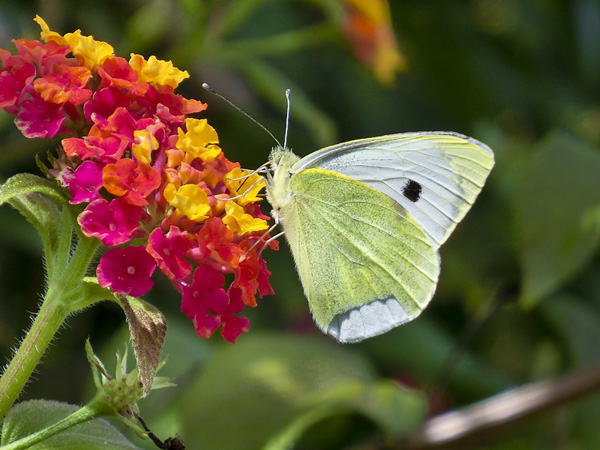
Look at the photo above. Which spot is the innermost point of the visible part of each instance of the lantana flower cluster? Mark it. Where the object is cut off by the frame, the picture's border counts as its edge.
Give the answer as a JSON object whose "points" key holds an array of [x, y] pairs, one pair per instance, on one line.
{"points": [[154, 185]]}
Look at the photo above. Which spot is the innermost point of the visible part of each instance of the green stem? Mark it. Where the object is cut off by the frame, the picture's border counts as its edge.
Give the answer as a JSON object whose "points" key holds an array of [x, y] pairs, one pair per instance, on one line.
{"points": [[87, 412], [80, 262], [63, 297], [46, 324]]}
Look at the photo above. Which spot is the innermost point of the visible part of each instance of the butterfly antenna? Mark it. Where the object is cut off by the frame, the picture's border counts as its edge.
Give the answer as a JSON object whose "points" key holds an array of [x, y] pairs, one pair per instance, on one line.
{"points": [[287, 118], [211, 90]]}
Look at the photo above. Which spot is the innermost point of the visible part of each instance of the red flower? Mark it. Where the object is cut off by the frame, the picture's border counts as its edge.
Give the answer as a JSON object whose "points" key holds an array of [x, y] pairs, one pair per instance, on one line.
{"points": [[126, 271], [113, 223], [169, 251]]}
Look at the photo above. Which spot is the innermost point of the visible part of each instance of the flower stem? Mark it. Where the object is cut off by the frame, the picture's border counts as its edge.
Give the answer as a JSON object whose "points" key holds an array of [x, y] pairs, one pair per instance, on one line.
{"points": [[49, 319], [63, 297]]}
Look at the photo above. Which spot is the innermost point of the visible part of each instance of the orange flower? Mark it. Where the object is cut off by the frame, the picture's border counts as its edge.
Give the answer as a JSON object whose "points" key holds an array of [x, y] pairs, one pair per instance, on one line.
{"points": [[369, 28]]}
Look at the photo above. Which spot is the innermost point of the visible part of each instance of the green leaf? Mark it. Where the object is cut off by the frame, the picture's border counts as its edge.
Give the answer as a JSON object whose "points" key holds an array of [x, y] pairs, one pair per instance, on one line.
{"points": [[557, 212], [271, 389], [396, 411], [148, 328], [89, 292], [576, 322], [41, 202], [31, 416]]}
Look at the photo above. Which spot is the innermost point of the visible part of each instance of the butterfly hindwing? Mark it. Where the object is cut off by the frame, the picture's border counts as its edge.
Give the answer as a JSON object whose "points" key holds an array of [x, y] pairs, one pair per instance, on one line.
{"points": [[365, 264]]}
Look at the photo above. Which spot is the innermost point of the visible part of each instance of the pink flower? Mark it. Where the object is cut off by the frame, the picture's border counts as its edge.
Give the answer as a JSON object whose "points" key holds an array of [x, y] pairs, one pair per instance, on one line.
{"points": [[204, 300], [84, 185], [104, 103], [13, 79], [38, 118], [126, 271], [117, 72], [169, 251], [113, 223], [233, 326]]}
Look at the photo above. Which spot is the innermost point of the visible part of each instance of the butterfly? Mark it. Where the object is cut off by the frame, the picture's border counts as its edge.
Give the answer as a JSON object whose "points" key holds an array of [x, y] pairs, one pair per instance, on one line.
{"points": [[365, 220]]}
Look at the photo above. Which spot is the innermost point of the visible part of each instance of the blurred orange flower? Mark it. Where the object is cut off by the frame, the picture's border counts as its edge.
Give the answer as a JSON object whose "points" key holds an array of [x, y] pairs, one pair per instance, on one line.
{"points": [[368, 26]]}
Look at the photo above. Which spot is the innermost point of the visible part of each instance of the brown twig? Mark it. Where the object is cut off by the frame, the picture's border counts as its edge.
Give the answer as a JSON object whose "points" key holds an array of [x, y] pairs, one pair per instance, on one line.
{"points": [[477, 423], [169, 444]]}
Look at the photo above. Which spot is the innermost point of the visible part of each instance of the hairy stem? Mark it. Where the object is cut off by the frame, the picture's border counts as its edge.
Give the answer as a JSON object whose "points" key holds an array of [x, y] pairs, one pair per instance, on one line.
{"points": [[64, 296], [49, 319]]}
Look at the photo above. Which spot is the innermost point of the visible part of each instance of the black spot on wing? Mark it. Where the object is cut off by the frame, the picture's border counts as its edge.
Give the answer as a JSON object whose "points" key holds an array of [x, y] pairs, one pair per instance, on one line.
{"points": [[412, 190]]}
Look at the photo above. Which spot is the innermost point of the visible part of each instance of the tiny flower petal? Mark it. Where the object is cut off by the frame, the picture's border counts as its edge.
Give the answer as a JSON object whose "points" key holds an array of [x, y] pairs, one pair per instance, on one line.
{"points": [[84, 185], [17, 74], [38, 118], [157, 72], [47, 35], [113, 223], [245, 185], [204, 300], [199, 141], [241, 223], [126, 271], [130, 180], [169, 251], [233, 327], [89, 52], [117, 72], [145, 143], [68, 84], [190, 200]]}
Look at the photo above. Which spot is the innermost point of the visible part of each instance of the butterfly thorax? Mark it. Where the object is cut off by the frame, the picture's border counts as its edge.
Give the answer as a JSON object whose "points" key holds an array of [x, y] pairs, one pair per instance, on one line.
{"points": [[278, 180]]}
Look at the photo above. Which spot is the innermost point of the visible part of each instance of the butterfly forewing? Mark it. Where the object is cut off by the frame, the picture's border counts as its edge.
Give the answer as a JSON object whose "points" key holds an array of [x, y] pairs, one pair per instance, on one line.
{"points": [[434, 176], [365, 264]]}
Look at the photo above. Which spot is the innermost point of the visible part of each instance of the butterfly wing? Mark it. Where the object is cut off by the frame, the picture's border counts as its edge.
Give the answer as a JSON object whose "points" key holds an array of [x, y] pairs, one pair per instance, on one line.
{"points": [[434, 176], [366, 266]]}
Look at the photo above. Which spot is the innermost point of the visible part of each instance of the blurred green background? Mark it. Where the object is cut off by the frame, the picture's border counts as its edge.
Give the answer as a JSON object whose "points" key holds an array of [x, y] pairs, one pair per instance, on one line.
{"points": [[522, 270]]}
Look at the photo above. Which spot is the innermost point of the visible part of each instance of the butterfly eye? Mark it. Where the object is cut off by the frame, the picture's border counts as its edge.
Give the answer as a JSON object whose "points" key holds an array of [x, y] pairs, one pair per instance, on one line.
{"points": [[412, 191]]}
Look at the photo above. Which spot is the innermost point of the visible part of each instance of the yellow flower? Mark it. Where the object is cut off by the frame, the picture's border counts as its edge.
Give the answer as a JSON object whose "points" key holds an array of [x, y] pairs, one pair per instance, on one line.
{"points": [[157, 72], [143, 146], [47, 35], [89, 52], [240, 182], [239, 222], [200, 141], [189, 200], [369, 28]]}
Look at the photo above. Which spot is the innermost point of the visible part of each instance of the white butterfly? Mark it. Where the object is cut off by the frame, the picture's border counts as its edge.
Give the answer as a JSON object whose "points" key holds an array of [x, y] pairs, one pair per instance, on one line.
{"points": [[365, 219]]}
